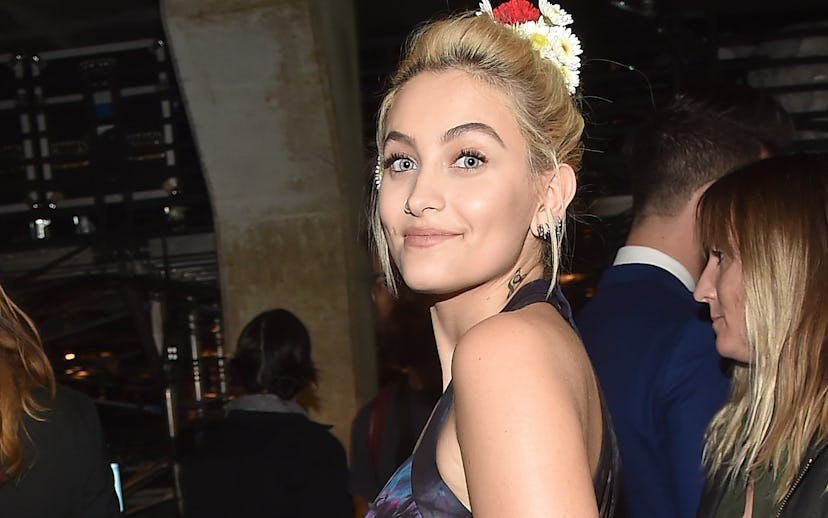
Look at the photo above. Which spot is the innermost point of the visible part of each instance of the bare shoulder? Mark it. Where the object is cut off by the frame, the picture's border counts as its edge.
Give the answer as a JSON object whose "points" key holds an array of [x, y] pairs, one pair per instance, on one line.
{"points": [[525, 403], [531, 340]]}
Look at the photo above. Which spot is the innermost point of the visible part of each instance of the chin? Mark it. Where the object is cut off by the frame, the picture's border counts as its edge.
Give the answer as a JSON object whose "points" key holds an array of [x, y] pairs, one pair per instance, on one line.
{"points": [[734, 351], [428, 283], [426, 288]]}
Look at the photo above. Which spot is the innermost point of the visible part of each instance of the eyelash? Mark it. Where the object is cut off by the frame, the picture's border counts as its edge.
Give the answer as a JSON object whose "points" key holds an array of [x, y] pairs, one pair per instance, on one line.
{"points": [[718, 254], [471, 153], [389, 160]]}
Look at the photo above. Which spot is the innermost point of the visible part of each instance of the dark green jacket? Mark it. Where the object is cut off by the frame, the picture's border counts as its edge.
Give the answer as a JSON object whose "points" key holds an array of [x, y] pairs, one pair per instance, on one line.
{"points": [[805, 498]]}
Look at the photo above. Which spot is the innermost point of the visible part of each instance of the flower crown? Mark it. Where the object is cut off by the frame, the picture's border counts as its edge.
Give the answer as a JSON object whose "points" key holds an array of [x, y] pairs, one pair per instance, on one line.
{"points": [[545, 27]]}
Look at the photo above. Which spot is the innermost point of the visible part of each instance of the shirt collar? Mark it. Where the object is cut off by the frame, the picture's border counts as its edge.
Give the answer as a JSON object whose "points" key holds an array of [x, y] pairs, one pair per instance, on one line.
{"points": [[657, 258], [265, 403]]}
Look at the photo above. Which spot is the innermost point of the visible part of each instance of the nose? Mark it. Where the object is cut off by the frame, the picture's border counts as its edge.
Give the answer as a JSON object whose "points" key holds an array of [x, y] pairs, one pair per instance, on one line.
{"points": [[706, 287], [426, 192]]}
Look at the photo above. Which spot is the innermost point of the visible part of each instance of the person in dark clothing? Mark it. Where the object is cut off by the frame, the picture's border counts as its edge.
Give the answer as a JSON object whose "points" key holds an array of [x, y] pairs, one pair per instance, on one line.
{"points": [[385, 430], [765, 230], [651, 344], [53, 461], [266, 457]]}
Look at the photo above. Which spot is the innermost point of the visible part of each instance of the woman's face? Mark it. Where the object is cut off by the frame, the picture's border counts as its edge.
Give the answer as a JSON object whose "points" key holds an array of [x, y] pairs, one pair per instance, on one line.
{"points": [[722, 286], [457, 199]]}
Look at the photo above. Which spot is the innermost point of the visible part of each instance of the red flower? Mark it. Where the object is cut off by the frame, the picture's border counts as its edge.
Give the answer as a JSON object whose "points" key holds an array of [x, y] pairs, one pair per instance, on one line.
{"points": [[515, 11]]}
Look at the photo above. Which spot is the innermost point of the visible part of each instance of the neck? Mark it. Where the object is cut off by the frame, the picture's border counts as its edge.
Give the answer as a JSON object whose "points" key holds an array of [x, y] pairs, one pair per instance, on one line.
{"points": [[674, 235], [453, 315]]}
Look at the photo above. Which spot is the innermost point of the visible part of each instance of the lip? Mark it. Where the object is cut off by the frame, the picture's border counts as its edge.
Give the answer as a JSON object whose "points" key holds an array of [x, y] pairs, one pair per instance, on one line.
{"points": [[426, 237]]}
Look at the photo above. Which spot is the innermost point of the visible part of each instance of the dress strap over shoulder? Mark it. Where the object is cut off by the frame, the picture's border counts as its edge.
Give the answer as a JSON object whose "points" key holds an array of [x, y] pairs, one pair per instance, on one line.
{"points": [[418, 491], [605, 479], [538, 291]]}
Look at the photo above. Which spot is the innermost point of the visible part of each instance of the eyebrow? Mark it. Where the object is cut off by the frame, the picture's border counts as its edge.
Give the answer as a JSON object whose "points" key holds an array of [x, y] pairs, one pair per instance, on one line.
{"points": [[457, 131], [450, 134], [399, 137]]}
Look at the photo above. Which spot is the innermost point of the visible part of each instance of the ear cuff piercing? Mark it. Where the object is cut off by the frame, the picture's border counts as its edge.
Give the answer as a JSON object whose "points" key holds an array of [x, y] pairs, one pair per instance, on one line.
{"points": [[545, 233]]}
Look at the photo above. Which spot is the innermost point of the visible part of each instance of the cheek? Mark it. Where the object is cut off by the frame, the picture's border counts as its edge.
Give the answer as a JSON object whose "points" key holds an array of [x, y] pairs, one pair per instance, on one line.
{"points": [[493, 227], [735, 290], [738, 327], [386, 204], [742, 323], [480, 211], [497, 207]]}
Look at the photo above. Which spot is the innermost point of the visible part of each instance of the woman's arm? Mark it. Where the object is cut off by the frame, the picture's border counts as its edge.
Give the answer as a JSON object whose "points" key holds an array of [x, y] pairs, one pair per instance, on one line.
{"points": [[523, 387]]}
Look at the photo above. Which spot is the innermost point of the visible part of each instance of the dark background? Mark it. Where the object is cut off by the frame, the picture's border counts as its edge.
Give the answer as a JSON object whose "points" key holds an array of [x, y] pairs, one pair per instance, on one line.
{"points": [[88, 287]]}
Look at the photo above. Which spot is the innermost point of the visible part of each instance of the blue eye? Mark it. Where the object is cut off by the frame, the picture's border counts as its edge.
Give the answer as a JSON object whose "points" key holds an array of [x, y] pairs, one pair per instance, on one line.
{"points": [[401, 163], [470, 160]]}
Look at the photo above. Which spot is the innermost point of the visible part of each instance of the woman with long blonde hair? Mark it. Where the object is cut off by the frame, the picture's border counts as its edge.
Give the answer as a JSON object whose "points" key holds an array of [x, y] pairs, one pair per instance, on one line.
{"points": [[52, 457], [479, 138], [765, 229]]}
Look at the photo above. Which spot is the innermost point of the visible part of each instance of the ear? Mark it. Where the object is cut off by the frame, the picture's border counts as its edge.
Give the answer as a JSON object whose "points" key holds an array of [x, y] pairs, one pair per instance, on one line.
{"points": [[555, 197]]}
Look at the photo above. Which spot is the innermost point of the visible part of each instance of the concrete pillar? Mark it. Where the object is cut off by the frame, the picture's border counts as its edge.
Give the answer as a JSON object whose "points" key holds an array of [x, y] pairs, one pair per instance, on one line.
{"points": [[271, 91]]}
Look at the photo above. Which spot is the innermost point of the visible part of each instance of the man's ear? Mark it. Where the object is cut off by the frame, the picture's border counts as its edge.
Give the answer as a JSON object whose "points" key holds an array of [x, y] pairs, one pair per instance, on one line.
{"points": [[556, 196]]}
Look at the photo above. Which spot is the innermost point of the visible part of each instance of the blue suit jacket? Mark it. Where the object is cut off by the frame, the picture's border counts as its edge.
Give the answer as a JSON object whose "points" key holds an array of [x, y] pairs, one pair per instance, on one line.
{"points": [[653, 349]]}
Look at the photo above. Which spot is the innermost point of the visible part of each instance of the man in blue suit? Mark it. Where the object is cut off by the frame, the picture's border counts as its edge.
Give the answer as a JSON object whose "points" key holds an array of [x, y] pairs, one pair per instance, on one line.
{"points": [[652, 345]]}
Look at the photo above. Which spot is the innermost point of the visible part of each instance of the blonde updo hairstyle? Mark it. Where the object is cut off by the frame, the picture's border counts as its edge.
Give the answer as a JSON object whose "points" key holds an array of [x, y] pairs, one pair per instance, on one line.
{"points": [[548, 116]]}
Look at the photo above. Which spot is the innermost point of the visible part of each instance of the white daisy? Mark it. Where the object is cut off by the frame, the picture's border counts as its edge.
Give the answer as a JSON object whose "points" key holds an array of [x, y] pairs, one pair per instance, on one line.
{"points": [[485, 6], [571, 78], [539, 34], [554, 13], [566, 46]]}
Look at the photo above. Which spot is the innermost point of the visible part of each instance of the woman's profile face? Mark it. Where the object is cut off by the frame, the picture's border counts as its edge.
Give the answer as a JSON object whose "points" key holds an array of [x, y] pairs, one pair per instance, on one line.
{"points": [[722, 286], [457, 199]]}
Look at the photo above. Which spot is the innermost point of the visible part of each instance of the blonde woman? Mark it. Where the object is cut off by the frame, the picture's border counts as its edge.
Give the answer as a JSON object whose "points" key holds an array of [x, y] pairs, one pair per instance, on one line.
{"points": [[478, 141], [52, 457], [765, 228]]}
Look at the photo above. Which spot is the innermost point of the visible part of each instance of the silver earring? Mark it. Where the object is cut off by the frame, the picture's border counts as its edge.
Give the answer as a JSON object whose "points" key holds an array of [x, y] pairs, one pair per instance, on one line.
{"points": [[559, 230], [543, 231]]}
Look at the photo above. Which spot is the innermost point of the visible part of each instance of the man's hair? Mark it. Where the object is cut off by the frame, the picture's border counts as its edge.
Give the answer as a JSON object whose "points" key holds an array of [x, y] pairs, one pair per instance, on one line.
{"points": [[701, 135]]}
